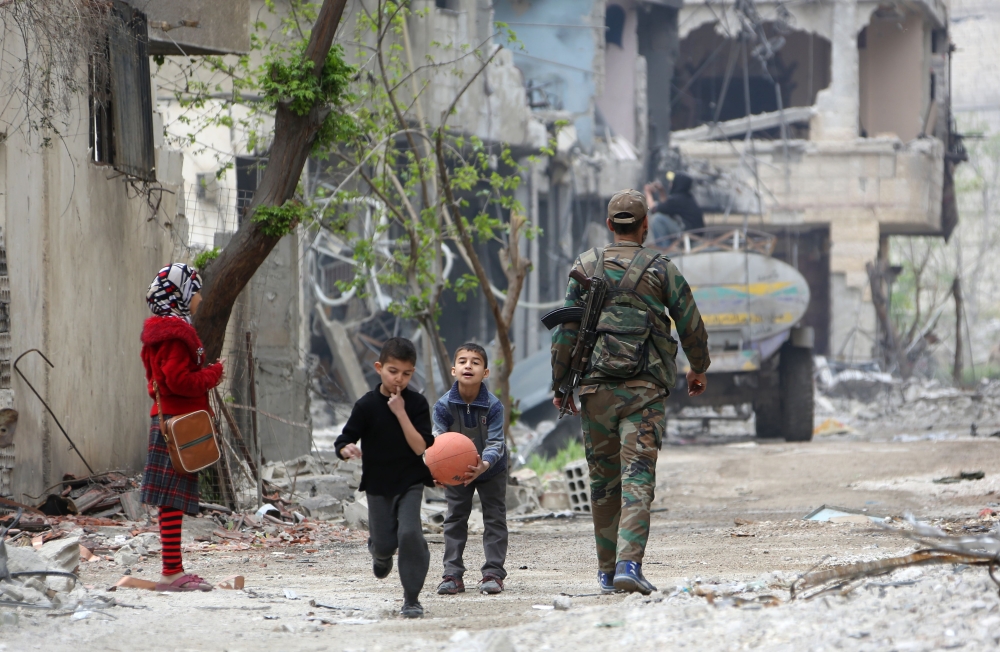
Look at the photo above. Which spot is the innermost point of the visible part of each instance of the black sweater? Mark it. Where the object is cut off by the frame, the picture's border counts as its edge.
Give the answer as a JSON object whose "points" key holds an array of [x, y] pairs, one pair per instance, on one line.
{"points": [[388, 464]]}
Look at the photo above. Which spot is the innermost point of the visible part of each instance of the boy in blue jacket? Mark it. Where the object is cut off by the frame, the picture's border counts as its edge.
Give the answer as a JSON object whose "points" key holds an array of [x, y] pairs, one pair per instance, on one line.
{"points": [[469, 408]]}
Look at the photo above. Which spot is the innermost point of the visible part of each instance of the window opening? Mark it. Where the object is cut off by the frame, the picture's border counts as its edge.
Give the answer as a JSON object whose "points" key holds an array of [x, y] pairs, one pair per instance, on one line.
{"points": [[614, 24]]}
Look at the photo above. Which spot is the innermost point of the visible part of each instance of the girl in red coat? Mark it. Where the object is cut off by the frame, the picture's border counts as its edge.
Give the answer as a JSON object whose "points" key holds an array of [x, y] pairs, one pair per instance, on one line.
{"points": [[172, 355]]}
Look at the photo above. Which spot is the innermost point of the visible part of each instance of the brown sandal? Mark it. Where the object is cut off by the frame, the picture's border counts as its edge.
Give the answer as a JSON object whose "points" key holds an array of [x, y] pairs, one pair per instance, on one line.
{"points": [[186, 582]]}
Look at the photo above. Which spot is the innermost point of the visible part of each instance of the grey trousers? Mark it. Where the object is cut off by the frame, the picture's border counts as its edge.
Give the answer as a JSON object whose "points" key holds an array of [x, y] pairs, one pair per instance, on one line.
{"points": [[493, 496], [394, 524]]}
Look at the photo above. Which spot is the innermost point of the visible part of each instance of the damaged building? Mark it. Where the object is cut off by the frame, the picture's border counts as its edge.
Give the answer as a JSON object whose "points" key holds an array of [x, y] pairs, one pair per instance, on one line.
{"points": [[827, 124], [89, 211]]}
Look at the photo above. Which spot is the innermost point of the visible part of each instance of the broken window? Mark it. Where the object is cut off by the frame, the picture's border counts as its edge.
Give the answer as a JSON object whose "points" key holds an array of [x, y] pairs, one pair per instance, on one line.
{"points": [[614, 24], [249, 170], [711, 83], [896, 90], [121, 104]]}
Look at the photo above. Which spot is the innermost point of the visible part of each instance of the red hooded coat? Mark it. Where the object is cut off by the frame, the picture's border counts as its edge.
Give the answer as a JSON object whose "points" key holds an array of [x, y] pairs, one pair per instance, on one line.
{"points": [[171, 353]]}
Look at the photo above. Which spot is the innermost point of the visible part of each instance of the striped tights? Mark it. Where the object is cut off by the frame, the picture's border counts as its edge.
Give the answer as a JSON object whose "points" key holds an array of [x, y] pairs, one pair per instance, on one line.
{"points": [[170, 537]]}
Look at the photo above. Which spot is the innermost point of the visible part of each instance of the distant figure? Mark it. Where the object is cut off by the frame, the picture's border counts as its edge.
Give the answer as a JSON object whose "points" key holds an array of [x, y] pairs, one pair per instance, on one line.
{"points": [[678, 212]]}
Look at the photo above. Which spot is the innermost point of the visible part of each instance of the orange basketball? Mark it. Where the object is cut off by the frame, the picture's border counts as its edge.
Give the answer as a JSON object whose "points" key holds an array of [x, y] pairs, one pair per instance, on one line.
{"points": [[450, 457]]}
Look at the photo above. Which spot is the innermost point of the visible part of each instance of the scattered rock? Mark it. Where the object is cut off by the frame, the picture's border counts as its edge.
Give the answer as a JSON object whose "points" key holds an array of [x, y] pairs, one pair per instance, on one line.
{"points": [[562, 603]]}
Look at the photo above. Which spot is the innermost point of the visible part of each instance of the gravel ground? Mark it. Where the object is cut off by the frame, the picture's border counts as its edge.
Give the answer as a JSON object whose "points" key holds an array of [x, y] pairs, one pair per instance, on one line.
{"points": [[703, 492]]}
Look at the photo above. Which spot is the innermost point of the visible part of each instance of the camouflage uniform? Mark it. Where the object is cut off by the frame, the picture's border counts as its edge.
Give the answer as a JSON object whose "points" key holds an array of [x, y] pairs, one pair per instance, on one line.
{"points": [[623, 419]]}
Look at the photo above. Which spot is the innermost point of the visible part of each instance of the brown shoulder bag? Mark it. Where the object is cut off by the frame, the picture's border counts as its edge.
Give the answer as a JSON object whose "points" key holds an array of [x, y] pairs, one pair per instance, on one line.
{"points": [[190, 439]]}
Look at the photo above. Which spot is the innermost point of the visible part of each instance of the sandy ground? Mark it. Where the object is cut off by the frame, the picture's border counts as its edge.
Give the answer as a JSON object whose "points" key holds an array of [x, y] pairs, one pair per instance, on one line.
{"points": [[701, 490]]}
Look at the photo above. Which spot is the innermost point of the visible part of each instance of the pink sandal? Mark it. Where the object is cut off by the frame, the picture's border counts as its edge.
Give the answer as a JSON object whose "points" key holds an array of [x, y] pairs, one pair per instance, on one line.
{"points": [[186, 582]]}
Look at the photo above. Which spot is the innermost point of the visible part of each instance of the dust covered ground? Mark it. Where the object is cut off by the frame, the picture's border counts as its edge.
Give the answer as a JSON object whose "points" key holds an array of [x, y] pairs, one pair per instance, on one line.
{"points": [[703, 488]]}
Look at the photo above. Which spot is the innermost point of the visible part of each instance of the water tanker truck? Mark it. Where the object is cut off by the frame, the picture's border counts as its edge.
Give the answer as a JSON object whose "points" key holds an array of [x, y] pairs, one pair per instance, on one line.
{"points": [[753, 305]]}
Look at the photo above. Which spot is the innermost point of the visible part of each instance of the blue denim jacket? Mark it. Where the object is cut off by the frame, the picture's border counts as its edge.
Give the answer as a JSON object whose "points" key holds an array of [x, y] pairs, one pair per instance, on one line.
{"points": [[486, 406]]}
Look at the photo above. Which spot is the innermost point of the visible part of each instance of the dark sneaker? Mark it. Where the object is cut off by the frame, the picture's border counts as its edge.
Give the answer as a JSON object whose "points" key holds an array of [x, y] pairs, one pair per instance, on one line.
{"points": [[450, 585], [382, 567], [606, 581], [412, 610], [628, 578], [490, 584]]}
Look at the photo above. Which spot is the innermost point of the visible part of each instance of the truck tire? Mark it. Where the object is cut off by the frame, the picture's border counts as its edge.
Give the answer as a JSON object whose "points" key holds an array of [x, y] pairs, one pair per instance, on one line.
{"points": [[767, 420], [797, 393]]}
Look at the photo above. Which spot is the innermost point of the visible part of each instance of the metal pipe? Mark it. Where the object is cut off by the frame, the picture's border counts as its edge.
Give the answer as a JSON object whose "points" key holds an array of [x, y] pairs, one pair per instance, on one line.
{"points": [[54, 417]]}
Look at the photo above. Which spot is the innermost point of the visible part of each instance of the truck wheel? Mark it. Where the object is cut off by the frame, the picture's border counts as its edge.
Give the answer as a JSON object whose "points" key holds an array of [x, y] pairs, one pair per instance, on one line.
{"points": [[797, 393], [767, 418]]}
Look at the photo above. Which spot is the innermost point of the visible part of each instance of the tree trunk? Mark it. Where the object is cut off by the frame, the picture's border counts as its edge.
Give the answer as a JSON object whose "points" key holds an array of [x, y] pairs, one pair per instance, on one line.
{"points": [[246, 252], [881, 304]]}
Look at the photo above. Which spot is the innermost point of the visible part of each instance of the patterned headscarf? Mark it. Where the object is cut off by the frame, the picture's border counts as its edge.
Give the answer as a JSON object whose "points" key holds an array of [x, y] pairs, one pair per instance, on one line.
{"points": [[170, 293]]}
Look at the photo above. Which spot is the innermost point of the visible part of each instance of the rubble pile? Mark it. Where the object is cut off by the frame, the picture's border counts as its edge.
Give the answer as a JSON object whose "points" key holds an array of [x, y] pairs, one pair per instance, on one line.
{"points": [[913, 410], [41, 576], [320, 487]]}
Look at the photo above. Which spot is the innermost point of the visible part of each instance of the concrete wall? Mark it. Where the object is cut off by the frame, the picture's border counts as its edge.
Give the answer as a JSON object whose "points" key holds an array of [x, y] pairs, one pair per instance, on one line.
{"points": [[276, 320], [81, 249], [221, 26], [617, 101], [862, 189]]}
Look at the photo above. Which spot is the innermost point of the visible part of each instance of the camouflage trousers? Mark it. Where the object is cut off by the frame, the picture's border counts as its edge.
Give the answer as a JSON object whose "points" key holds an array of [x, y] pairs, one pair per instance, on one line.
{"points": [[622, 431]]}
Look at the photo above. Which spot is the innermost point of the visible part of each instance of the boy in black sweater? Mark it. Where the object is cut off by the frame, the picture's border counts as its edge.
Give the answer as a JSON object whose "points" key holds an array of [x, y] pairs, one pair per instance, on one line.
{"points": [[393, 425]]}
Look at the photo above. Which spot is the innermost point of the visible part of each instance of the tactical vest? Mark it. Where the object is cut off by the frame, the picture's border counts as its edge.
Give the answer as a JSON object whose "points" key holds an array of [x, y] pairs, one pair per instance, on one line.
{"points": [[633, 339]]}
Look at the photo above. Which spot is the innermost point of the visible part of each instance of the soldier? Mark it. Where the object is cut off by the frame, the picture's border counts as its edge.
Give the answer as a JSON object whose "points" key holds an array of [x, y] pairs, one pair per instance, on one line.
{"points": [[631, 371]]}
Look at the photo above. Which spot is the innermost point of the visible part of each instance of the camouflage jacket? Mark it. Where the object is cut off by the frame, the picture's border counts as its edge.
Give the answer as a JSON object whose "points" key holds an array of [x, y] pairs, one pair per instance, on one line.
{"points": [[662, 288]]}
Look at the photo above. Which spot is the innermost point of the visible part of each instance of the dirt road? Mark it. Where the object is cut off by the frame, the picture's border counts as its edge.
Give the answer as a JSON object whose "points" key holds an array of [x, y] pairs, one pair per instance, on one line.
{"points": [[701, 490]]}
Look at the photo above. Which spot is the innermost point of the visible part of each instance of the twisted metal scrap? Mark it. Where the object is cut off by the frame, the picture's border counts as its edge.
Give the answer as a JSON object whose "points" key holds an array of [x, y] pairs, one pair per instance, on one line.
{"points": [[939, 548]]}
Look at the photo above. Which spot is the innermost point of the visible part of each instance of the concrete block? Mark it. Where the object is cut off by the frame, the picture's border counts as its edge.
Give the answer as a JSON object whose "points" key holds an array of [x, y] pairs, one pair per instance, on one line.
{"points": [[578, 485], [521, 500], [197, 529], [555, 501], [887, 166], [356, 513], [323, 507], [62, 554], [335, 486]]}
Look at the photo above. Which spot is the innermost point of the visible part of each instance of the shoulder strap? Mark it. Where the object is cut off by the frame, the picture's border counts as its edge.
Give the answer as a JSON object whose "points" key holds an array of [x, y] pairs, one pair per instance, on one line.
{"points": [[589, 259], [159, 410], [640, 263]]}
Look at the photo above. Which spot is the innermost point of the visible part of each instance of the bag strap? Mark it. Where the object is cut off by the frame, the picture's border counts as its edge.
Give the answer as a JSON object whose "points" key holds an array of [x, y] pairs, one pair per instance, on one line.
{"points": [[159, 410]]}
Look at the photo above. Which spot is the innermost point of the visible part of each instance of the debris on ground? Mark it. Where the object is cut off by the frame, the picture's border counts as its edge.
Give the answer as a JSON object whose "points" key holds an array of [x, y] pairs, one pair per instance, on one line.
{"points": [[937, 547], [960, 477], [832, 514], [833, 427]]}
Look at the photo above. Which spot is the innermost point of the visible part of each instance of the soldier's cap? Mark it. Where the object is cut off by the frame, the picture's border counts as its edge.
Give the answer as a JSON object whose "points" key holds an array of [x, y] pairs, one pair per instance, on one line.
{"points": [[627, 206]]}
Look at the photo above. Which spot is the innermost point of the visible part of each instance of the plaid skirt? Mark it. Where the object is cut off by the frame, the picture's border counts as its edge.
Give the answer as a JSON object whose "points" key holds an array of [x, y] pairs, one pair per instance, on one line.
{"points": [[161, 484]]}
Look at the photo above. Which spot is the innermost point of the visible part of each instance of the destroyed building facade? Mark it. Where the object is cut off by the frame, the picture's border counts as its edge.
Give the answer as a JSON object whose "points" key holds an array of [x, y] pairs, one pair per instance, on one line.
{"points": [[89, 211], [848, 139]]}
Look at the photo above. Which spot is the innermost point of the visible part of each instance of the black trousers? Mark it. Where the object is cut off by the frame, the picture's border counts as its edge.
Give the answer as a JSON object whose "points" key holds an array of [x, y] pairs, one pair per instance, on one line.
{"points": [[493, 496], [394, 524]]}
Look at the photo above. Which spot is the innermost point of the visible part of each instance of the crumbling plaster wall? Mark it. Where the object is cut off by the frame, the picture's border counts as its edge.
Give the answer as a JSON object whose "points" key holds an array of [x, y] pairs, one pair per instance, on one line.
{"points": [[616, 102], [276, 320], [862, 189], [81, 249]]}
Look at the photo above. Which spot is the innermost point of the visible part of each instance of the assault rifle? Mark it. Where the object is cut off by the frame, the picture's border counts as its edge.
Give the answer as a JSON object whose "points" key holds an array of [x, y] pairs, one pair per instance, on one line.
{"points": [[596, 288]]}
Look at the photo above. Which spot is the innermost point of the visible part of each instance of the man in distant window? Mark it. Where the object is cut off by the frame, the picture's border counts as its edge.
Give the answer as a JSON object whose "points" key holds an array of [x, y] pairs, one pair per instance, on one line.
{"points": [[678, 211]]}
